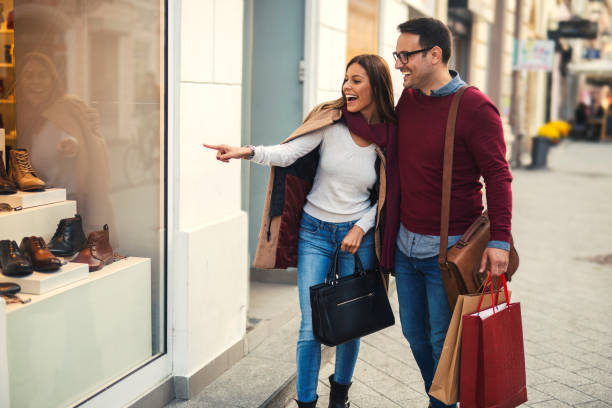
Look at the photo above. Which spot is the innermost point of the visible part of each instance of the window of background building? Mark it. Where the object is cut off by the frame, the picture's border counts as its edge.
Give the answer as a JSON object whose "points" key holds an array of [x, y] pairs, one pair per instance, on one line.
{"points": [[83, 94], [362, 31]]}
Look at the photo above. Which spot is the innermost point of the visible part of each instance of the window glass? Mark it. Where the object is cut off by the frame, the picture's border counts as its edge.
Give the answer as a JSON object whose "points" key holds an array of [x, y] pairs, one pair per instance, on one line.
{"points": [[81, 92]]}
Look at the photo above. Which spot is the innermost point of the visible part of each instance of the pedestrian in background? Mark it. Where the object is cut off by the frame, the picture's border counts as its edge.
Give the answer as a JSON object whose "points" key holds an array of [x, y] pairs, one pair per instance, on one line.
{"points": [[412, 247], [328, 175]]}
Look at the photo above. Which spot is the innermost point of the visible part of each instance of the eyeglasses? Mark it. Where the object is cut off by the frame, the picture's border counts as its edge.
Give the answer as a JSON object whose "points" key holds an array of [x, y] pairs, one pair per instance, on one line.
{"points": [[8, 207], [404, 56]]}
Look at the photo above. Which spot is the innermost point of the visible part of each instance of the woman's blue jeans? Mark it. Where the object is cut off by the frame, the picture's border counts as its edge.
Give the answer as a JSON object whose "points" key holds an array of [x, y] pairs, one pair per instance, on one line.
{"points": [[424, 312], [317, 243]]}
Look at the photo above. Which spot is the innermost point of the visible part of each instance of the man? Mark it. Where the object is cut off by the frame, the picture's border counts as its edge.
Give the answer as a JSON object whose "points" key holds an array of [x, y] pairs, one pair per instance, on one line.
{"points": [[422, 54]]}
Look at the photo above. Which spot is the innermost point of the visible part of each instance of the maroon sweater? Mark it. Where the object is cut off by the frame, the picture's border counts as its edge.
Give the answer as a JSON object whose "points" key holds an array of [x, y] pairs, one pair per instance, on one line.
{"points": [[479, 150]]}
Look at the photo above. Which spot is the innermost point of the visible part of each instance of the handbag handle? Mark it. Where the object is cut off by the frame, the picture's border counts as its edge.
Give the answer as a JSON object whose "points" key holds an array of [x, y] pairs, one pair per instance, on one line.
{"points": [[489, 283], [447, 173], [333, 275]]}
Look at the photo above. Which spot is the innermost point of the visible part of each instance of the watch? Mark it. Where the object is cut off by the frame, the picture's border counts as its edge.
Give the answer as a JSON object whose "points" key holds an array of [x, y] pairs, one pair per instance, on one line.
{"points": [[252, 154]]}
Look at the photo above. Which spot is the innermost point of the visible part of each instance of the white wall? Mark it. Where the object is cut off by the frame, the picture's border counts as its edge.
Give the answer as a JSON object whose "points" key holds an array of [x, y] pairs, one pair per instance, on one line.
{"points": [[211, 268], [330, 49], [394, 12]]}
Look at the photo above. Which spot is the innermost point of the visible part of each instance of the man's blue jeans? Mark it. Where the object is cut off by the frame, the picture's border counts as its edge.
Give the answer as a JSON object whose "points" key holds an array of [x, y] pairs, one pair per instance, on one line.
{"points": [[424, 312], [316, 246]]}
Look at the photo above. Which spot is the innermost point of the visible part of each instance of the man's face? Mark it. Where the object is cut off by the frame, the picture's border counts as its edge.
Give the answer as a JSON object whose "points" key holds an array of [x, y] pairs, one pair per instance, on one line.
{"points": [[418, 69]]}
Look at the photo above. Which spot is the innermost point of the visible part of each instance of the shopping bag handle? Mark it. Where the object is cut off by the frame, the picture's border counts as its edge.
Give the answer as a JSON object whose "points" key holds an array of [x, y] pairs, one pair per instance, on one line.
{"points": [[333, 273], [489, 283]]}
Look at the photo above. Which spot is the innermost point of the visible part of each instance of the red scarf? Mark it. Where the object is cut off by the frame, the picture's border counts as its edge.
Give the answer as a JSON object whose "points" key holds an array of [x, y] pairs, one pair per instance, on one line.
{"points": [[385, 136]]}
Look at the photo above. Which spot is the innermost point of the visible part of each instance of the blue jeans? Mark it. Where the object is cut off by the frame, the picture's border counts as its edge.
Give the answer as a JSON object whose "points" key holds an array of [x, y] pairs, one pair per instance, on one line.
{"points": [[317, 243], [424, 312]]}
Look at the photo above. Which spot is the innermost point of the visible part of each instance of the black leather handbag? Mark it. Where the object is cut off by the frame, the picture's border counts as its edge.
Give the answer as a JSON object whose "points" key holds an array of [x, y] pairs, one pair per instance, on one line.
{"points": [[350, 307]]}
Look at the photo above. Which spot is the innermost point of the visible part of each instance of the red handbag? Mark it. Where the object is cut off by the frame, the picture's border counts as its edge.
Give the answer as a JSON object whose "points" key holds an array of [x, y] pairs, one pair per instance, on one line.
{"points": [[493, 356]]}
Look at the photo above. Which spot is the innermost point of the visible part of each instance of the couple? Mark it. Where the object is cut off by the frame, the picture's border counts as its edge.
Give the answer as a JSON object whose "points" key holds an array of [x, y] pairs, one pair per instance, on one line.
{"points": [[376, 176]]}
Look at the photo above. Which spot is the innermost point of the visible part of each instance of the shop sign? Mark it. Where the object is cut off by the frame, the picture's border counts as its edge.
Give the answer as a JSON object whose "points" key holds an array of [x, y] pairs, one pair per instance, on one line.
{"points": [[579, 28], [532, 55], [427, 7]]}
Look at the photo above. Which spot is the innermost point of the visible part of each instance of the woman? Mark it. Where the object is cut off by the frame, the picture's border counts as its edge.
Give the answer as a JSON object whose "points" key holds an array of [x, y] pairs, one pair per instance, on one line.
{"points": [[62, 134], [323, 194]]}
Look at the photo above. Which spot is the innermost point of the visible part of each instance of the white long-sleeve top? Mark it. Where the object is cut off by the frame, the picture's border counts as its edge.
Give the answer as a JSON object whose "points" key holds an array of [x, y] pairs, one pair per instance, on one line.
{"points": [[345, 174]]}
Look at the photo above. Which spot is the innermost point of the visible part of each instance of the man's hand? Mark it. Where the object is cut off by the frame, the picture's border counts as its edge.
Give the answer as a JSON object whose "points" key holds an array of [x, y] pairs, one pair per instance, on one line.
{"points": [[494, 261], [352, 240]]}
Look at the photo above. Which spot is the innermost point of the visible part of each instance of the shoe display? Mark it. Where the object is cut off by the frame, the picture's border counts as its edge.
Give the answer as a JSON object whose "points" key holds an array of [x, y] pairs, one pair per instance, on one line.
{"points": [[41, 258], [22, 173], [12, 261], [69, 237], [6, 185], [98, 251]]}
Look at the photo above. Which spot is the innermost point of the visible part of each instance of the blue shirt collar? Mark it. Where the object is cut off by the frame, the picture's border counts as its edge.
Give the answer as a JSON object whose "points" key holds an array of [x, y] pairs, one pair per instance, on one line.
{"points": [[451, 87]]}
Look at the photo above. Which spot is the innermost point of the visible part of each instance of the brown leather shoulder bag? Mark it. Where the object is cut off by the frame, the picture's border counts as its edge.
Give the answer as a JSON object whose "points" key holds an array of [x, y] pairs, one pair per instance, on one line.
{"points": [[460, 264]]}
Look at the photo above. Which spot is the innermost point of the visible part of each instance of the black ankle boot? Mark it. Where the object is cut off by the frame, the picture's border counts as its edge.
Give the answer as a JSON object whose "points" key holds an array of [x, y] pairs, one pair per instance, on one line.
{"points": [[312, 404], [338, 396]]}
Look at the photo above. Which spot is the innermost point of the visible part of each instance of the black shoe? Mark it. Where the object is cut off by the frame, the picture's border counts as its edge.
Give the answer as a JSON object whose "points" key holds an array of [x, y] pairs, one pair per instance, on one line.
{"points": [[338, 396], [69, 237], [12, 261], [312, 404]]}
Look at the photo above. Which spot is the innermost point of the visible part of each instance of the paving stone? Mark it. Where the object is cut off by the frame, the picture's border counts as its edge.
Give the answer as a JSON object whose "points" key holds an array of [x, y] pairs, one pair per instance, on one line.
{"points": [[534, 396], [597, 391], [597, 375], [563, 393], [594, 404], [565, 376], [550, 404], [566, 357]]}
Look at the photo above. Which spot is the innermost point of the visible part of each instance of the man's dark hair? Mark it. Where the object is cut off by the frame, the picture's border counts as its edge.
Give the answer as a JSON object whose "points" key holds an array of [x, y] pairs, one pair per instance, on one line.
{"points": [[431, 33]]}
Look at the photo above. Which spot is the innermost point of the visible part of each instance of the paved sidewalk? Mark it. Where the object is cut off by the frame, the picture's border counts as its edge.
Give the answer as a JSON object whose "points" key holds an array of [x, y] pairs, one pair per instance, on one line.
{"points": [[563, 230]]}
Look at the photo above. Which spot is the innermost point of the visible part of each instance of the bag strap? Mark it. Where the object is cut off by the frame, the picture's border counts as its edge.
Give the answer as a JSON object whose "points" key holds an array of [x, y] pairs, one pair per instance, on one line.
{"points": [[447, 173]]}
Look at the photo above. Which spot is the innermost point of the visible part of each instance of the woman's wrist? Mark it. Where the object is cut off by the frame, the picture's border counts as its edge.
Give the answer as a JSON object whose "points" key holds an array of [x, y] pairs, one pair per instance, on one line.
{"points": [[249, 152]]}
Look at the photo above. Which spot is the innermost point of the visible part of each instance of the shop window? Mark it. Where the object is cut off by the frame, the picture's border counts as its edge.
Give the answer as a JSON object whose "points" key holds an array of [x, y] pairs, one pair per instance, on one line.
{"points": [[82, 109], [362, 32]]}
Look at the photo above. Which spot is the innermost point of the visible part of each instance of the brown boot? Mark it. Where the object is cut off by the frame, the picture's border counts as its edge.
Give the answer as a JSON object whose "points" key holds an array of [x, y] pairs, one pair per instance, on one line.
{"points": [[22, 173], [42, 259], [6, 185], [98, 251]]}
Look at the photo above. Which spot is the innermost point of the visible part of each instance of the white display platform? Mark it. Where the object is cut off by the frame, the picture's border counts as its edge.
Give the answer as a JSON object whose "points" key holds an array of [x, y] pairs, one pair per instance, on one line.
{"points": [[38, 221], [4, 379], [29, 199], [40, 283], [68, 343]]}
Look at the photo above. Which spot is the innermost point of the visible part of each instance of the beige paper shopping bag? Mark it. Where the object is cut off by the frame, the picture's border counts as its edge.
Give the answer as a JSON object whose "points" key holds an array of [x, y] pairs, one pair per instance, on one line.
{"points": [[445, 385]]}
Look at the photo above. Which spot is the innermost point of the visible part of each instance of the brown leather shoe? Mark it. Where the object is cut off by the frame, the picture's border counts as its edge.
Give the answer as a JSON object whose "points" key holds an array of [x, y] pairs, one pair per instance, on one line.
{"points": [[6, 185], [42, 259], [98, 251], [22, 173]]}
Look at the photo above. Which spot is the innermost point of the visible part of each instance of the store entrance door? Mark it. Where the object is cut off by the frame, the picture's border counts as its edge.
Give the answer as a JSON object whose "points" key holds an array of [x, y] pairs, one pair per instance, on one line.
{"points": [[277, 31]]}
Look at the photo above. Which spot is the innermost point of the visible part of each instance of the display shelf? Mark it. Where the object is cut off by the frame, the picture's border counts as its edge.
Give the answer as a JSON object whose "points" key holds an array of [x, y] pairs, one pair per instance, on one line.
{"points": [[6, 64], [28, 199], [40, 283], [7, 101], [38, 221], [80, 337]]}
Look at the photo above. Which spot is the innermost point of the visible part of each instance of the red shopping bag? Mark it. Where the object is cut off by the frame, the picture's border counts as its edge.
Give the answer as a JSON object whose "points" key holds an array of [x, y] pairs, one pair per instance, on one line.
{"points": [[493, 356]]}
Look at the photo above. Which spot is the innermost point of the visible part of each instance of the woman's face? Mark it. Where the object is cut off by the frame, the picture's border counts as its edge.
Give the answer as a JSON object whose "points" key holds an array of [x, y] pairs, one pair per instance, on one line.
{"points": [[357, 90], [37, 83]]}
